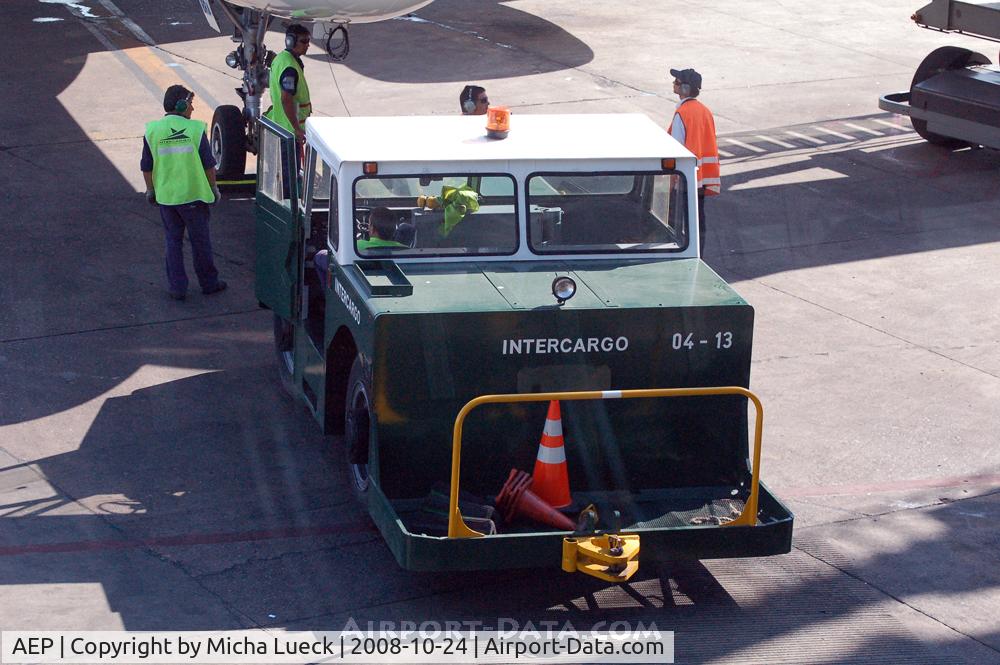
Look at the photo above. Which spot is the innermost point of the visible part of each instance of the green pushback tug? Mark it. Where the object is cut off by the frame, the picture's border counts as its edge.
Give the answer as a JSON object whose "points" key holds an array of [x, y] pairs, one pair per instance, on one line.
{"points": [[433, 289]]}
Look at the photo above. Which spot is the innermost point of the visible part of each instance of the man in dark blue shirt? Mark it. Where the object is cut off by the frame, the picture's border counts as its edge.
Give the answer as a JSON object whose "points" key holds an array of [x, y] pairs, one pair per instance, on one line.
{"points": [[185, 185]]}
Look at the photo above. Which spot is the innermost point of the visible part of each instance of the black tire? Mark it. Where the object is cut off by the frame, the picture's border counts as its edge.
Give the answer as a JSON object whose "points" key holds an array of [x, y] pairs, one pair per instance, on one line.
{"points": [[283, 333], [940, 60], [359, 427], [229, 142]]}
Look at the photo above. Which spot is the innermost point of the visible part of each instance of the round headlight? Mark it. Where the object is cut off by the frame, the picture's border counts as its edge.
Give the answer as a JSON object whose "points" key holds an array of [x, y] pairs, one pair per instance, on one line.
{"points": [[563, 288], [231, 60]]}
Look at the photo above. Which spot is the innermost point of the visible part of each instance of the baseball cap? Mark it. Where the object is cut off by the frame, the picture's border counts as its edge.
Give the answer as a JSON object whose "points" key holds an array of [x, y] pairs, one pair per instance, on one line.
{"points": [[689, 76]]}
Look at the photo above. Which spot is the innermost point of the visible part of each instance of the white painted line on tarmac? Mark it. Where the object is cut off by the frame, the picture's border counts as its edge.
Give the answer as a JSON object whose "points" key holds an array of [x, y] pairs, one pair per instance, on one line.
{"points": [[833, 132], [164, 57], [83, 11], [893, 125], [804, 137], [768, 139], [745, 146], [125, 61], [723, 153], [132, 26], [105, 42], [859, 128]]}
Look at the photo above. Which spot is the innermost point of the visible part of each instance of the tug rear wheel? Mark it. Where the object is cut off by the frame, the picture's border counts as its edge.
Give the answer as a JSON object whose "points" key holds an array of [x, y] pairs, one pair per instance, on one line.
{"points": [[284, 351], [940, 60]]}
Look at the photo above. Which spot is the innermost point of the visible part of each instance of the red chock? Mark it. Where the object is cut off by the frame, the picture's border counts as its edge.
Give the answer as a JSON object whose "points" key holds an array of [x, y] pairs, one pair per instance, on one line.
{"points": [[516, 500]]}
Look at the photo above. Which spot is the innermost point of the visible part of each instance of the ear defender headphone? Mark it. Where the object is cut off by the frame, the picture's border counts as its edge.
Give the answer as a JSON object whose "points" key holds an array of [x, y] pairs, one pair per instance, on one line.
{"points": [[469, 105], [182, 104], [686, 89], [290, 39]]}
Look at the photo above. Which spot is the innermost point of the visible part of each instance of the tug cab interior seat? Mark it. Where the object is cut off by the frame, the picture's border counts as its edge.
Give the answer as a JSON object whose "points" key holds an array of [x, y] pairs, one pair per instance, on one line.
{"points": [[490, 229], [406, 234], [594, 221]]}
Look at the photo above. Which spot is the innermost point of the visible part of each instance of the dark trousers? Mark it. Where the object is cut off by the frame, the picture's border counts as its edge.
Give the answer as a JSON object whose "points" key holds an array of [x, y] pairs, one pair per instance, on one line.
{"points": [[701, 220], [193, 217]]}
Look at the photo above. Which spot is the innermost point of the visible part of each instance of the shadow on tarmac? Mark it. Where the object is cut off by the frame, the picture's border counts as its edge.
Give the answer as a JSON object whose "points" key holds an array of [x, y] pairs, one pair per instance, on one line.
{"points": [[490, 40], [852, 204], [244, 509], [166, 462]]}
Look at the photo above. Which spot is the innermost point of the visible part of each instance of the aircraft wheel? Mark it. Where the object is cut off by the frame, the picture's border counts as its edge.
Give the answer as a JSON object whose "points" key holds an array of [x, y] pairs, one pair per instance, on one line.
{"points": [[283, 350], [940, 60], [358, 428], [229, 142]]}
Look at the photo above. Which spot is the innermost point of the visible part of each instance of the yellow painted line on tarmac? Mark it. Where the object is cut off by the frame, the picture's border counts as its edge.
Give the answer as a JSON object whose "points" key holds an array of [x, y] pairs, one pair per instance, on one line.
{"points": [[161, 75], [146, 61]]}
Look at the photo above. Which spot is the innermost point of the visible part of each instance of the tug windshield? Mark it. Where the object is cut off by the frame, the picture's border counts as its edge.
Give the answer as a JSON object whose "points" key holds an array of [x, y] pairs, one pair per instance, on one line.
{"points": [[435, 215], [618, 212]]}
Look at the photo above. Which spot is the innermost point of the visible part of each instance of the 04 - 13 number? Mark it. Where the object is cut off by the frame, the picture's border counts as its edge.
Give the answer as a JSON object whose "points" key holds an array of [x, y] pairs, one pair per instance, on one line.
{"points": [[723, 340]]}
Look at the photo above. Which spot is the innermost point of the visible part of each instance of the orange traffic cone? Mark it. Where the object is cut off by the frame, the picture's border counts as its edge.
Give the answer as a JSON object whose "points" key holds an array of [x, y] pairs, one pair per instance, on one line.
{"points": [[516, 500], [550, 480]]}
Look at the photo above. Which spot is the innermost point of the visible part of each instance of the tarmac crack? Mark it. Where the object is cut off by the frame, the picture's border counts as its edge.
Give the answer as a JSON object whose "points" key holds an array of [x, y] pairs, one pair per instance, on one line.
{"points": [[56, 144], [942, 501], [858, 321], [272, 559], [386, 603], [147, 550], [540, 56], [888, 594], [811, 36], [129, 326], [13, 155]]}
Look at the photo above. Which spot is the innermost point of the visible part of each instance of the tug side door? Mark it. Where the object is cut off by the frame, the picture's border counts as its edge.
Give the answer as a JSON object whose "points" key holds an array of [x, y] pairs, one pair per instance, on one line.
{"points": [[279, 223]]}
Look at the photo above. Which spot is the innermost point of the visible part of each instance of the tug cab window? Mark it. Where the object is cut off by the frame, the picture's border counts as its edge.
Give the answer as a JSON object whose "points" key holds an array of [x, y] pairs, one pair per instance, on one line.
{"points": [[271, 175], [607, 212], [435, 215]]}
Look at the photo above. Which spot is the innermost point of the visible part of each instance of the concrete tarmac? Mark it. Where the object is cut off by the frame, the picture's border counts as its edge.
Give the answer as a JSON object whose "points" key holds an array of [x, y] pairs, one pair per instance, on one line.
{"points": [[153, 476]]}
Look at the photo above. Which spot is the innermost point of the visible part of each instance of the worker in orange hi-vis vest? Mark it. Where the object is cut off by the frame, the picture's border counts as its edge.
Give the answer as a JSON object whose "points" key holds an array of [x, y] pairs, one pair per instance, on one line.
{"points": [[694, 126]]}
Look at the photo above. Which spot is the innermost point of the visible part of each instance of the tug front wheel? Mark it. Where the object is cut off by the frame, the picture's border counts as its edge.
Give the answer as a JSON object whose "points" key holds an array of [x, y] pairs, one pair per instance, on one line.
{"points": [[359, 426]]}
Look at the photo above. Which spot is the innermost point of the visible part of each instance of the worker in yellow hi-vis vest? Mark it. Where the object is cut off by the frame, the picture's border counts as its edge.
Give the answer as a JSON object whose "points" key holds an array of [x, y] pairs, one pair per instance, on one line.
{"points": [[290, 104], [179, 171]]}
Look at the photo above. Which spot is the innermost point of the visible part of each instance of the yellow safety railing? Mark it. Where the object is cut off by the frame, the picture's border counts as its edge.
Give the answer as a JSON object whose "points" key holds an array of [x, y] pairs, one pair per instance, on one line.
{"points": [[457, 528]]}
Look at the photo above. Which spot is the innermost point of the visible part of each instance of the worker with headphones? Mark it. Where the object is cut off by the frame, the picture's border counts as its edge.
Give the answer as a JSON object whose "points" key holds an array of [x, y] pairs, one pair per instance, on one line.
{"points": [[290, 104], [179, 171], [694, 126], [474, 100]]}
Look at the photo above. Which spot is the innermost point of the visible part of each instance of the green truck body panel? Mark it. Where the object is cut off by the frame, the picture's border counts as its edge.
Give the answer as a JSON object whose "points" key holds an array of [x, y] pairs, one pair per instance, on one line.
{"points": [[772, 535], [279, 235], [516, 285]]}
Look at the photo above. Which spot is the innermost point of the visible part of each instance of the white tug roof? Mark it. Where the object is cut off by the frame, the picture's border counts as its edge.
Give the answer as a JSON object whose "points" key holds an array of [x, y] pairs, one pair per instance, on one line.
{"points": [[463, 138]]}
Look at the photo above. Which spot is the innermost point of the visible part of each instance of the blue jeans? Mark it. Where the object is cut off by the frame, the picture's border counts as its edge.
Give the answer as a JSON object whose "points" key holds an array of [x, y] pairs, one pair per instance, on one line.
{"points": [[194, 217]]}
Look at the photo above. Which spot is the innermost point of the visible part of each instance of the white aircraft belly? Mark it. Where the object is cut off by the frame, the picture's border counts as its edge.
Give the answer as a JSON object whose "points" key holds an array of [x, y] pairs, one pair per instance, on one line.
{"points": [[354, 11]]}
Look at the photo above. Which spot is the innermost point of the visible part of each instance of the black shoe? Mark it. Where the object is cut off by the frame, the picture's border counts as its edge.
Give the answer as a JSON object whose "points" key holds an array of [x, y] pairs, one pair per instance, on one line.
{"points": [[219, 286], [177, 296]]}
